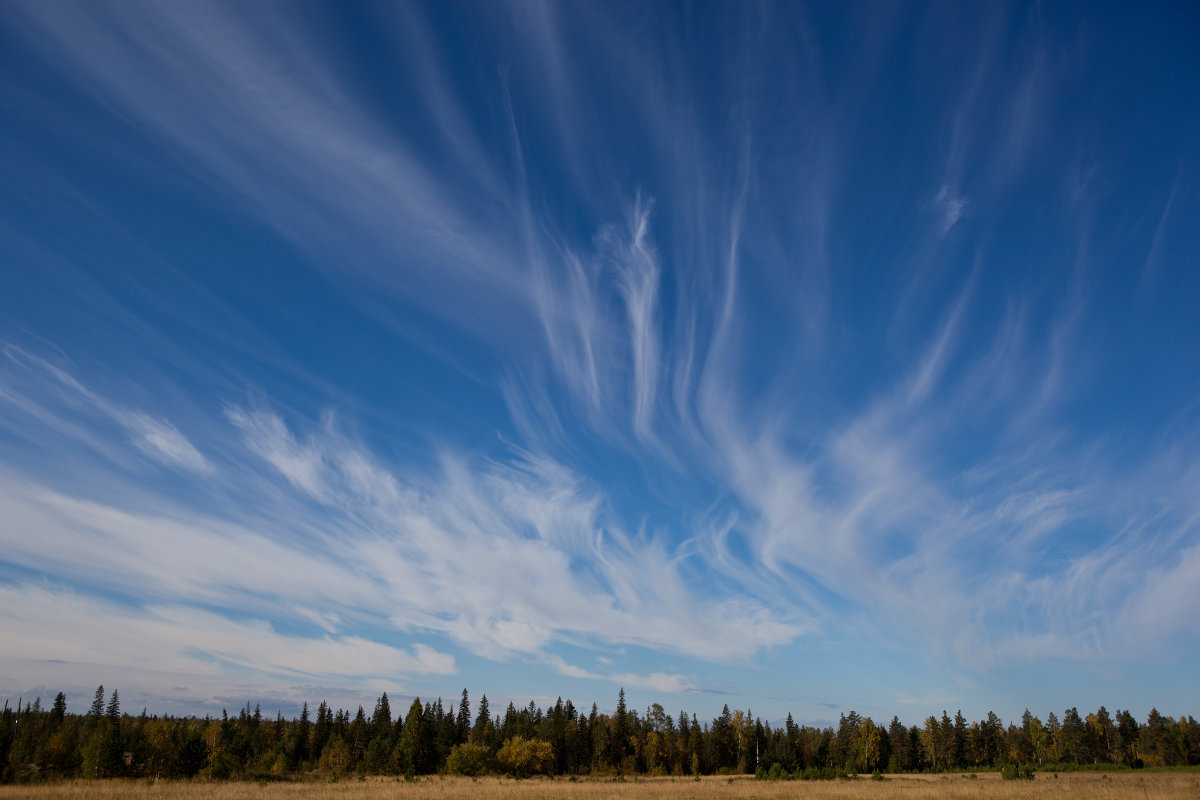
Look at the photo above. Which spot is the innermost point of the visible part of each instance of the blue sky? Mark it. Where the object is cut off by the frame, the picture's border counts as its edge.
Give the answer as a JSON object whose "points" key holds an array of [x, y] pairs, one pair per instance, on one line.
{"points": [[800, 357]]}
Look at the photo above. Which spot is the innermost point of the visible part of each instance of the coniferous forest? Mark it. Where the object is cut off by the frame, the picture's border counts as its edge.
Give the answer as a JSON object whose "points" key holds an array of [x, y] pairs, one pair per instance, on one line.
{"points": [[40, 743]]}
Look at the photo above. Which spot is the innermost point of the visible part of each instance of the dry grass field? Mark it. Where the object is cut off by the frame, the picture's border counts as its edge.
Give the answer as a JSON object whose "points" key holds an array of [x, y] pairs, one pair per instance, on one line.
{"points": [[1180, 786]]}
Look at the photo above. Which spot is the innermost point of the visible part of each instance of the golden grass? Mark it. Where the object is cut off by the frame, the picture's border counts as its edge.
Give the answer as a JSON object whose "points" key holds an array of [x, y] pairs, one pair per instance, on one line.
{"points": [[1184, 786]]}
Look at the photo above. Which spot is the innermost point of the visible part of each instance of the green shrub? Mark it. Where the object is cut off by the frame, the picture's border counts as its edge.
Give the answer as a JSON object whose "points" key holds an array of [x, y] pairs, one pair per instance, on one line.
{"points": [[468, 758], [775, 773], [1011, 772], [524, 757]]}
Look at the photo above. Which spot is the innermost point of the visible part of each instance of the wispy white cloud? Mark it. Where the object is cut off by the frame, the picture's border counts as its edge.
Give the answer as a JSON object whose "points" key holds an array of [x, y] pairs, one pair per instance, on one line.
{"points": [[156, 438], [950, 206], [638, 278], [656, 681], [283, 136], [181, 657], [160, 440], [700, 344], [267, 438], [1154, 255], [472, 552], [934, 362]]}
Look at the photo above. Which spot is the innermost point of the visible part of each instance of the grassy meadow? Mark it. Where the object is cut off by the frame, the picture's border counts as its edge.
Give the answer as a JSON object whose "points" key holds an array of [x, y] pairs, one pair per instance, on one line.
{"points": [[1170, 785]]}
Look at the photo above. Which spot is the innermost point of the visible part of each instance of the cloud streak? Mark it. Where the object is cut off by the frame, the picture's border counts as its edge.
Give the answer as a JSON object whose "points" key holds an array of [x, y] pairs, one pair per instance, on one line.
{"points": [[725, 385]]}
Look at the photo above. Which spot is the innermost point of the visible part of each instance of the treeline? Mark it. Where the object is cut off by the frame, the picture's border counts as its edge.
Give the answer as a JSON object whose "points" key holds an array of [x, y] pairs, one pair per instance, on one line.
{"points": [[37, 743]]}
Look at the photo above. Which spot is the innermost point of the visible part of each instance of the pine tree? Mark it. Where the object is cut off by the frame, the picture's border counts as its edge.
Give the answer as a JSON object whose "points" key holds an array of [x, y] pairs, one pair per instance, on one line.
{"points": [[898, 742], [1153, 737], [360, 736], [1054, 737], [381, 720], [321, 730], [97, 709], [1072, 736], [445, 732], [958, 740], [300, 745], [59, 710], [1127, 735], [916, 753], [724, 740], [462, 722], [620, 744], [993, 737], [480, 734], [1104, 733], [412, 740]]}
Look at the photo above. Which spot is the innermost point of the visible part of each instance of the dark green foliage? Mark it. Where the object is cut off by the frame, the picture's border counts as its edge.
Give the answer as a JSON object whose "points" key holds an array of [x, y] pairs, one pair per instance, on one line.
{"points": [[97, 709], [300, 740], [482, 732], [59, 710], [323, 728], [50, 743], [462, 722], [469, 758], [1010, 772], [192, 754]]}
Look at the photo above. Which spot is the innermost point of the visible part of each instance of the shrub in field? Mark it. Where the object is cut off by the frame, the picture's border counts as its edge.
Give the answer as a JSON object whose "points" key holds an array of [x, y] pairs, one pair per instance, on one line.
{"points": [[468, 758], [1011, 772], [524, 757], [820, 774]]}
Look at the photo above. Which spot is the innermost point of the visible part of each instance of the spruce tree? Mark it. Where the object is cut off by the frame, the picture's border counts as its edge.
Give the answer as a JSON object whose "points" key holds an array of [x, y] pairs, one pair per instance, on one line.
{"points": [[620, 743], [321, 730], [300, 745], [1127, 736], [480, 734], [958, 740], [898, 741], [412, 756], [381, 720], [462, 722], [97, 709], [59, 710]]}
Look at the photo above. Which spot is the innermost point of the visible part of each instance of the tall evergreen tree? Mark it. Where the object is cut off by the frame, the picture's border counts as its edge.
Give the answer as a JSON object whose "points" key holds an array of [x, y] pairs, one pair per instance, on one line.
{"points": [[360, 736], [1072, 736], [59, 710], [322, 730], [412, 740], [462, 722], [381, 720], [620, 742], [1053, 738], [481, 734], [97, 709], [1127, 736], [300, 744], [1105, 740], [898, 741], [1154, 739], [958, 740]]}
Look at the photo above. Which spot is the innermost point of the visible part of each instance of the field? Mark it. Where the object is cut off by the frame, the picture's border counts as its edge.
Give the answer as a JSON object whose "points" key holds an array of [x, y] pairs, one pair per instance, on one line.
{"points": [[1181, 785]]}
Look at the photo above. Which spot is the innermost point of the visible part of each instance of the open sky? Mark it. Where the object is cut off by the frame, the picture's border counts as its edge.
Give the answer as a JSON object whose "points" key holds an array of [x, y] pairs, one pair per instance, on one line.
{"points": [[801, 356]]}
